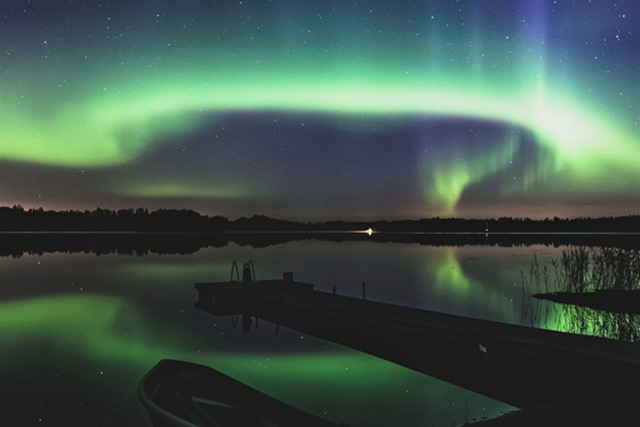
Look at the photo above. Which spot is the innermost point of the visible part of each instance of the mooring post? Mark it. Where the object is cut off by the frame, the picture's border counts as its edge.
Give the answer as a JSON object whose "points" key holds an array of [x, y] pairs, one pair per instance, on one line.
{"points": [[364, 291], [247, 276], [287, 278]]}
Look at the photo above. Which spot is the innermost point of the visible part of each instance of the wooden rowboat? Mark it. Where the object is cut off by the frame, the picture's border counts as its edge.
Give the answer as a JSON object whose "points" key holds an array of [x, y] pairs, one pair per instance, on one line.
{"points": [[182, 394]]}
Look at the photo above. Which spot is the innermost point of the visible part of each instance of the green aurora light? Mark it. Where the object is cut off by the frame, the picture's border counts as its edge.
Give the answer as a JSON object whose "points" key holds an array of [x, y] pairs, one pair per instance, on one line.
{"points": [[112, 104]]}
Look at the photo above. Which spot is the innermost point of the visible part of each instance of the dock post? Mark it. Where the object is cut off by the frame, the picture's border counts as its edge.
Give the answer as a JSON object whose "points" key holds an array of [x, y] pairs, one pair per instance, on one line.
{"points": [[247, 276], [364, 291]]}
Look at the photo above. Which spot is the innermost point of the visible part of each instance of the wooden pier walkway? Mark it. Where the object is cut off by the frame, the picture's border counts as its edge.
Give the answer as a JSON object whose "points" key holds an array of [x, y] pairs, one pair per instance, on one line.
{"points": [[524, 367]]}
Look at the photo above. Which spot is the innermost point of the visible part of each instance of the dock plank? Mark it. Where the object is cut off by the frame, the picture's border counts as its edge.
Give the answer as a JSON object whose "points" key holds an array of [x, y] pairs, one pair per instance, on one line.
{"points": [[519, 365]]}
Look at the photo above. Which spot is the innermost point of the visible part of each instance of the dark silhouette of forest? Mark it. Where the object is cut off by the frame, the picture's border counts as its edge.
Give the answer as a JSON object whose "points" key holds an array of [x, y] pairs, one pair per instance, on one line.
{"points": [[145, 243], [166, 231], [183, 220]]}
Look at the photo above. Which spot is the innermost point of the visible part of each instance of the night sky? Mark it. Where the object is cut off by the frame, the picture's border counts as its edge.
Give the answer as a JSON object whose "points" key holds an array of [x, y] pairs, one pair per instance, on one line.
{"points": [[316, 110]]}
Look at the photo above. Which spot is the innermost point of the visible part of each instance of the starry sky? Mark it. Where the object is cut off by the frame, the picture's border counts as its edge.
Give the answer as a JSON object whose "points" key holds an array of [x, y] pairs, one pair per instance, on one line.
{"points": [[321, 110]]}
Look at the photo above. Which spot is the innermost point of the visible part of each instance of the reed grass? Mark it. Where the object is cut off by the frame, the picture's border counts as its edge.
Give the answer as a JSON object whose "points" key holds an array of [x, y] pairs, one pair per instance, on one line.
{"points": [[583, 269]]}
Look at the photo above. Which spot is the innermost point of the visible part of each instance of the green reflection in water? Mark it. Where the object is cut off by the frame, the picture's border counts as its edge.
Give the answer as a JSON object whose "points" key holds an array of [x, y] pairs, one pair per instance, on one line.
{"points": [[450, 276], [110, 328], [98, 347], [586, 321], [173, 271], [460, 281]]}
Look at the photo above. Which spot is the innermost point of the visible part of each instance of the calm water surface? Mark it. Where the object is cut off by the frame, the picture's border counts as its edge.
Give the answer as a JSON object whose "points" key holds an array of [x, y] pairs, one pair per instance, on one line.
{"points": [[78, 330]]}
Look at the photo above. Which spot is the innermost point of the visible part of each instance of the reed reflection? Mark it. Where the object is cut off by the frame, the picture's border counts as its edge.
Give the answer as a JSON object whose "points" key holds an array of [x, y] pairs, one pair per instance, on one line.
{"points": [[590, 291]]}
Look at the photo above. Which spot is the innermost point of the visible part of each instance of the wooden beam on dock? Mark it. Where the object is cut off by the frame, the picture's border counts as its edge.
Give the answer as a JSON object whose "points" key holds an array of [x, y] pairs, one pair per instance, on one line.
{"points": [[524, 367]]}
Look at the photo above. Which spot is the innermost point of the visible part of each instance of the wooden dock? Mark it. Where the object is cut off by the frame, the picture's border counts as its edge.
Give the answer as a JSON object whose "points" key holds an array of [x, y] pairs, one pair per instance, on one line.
{"points": [[524, 367]]}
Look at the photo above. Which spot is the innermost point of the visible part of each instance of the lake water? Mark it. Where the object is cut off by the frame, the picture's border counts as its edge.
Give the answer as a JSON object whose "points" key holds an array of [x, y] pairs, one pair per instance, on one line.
{"points": [[79, 330]]}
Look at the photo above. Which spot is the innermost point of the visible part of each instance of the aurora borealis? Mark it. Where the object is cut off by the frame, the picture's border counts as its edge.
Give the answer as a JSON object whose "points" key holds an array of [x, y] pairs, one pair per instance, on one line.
{"points": [[322, 110]]}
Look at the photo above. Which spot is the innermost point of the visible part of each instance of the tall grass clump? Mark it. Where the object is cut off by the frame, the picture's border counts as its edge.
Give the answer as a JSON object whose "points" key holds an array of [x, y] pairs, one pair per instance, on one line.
{"points": [[583, 269], [589, 269]]}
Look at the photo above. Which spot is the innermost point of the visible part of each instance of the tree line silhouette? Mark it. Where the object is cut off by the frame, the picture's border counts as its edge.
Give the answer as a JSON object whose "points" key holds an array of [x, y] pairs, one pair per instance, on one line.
{"points": [[145, 243], [17, 218]]}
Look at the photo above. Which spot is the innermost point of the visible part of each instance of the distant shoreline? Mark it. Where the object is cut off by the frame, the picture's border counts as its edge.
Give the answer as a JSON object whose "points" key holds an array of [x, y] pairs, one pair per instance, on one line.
{"points": [[19, 243], [317, 232], [17, 219]]}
